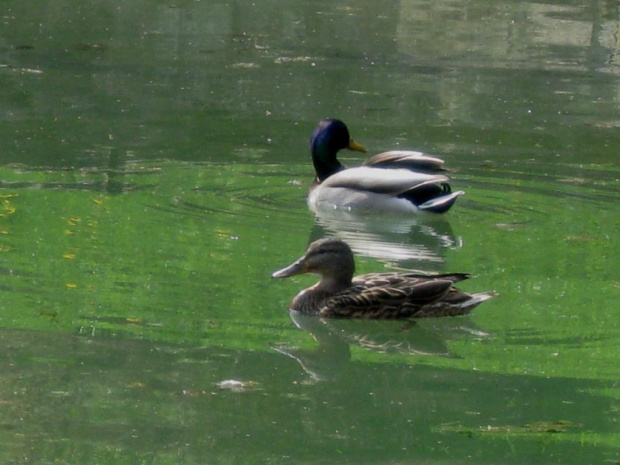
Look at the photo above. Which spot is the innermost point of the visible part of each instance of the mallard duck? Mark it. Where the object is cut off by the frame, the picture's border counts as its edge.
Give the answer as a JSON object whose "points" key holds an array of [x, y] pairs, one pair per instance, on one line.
{"points": [[374, 295], [397, 181]]}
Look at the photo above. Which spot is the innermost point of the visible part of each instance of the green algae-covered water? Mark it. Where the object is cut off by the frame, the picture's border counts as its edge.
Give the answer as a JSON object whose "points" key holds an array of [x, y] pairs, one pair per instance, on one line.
{"points": [[154, 164]]}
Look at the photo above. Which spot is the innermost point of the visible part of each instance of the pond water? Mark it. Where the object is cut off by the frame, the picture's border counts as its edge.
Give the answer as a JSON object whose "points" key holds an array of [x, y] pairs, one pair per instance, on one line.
{"points": [[154, 164]]}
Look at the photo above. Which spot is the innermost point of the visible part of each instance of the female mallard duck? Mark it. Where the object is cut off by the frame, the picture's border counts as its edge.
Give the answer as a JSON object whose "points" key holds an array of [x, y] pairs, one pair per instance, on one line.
{"points": [[374, 295], [397, 181]]}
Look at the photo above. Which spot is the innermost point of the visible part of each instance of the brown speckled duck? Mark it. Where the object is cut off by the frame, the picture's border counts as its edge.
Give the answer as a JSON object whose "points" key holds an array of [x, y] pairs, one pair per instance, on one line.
{"points": [[375, 295]]}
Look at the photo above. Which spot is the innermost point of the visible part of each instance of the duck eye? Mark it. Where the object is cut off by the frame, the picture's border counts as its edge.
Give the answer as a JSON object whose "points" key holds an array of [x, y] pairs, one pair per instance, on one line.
{"points": [[324, 251]]}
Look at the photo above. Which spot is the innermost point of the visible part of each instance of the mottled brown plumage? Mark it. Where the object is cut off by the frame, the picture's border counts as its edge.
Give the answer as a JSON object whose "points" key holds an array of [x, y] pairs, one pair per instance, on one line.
{"points": [[375, 295]]}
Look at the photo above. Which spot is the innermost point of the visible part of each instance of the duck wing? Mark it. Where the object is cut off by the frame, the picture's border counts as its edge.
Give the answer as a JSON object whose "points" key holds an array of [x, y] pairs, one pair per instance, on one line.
{"points": [[392, 182], [406, 159], [390, 279], [387, 296], [378, 189]]}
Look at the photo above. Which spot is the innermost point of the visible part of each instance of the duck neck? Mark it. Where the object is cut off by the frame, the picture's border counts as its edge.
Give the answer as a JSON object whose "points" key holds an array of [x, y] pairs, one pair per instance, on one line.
{"points": [[325, 162], [333, 284]]}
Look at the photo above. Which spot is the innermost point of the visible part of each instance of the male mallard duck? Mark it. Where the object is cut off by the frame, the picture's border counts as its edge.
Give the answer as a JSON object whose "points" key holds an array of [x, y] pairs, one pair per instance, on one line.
{"points": [[374, 295], [396, 181]]}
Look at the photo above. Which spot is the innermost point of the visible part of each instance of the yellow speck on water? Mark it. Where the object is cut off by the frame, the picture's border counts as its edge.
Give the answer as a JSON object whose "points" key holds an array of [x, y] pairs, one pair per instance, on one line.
{"points": [[136, 385], [71, 285], [98, 201], [73, 220], [8, 208], [68, 256]]}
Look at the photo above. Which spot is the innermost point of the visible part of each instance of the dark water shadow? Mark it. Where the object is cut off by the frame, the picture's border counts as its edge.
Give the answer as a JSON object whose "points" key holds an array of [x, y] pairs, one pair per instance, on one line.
{"points": [[88, 399]]}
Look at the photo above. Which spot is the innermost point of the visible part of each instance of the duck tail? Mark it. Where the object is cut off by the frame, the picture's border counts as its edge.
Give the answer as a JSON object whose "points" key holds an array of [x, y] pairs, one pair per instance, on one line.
{"points": [[478, 298], [440, 204]]}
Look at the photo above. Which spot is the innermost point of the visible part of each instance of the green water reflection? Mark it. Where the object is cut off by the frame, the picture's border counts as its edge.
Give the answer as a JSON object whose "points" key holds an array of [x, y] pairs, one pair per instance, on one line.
{"points": [[153, 173], [92, 401]]}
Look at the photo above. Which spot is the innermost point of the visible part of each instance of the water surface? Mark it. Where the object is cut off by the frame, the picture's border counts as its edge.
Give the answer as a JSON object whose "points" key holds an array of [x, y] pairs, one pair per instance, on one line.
{"points": [[153, 170]]}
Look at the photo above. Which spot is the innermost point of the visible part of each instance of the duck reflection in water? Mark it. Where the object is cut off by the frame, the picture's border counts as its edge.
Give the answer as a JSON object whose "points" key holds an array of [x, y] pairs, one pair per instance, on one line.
{"points": [[331, 357], [335, 310], [411, 241], [374, 207]]}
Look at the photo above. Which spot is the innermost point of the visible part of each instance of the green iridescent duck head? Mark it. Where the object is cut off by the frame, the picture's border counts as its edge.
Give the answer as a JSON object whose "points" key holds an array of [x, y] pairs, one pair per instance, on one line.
{"points": [[329, 137]]}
